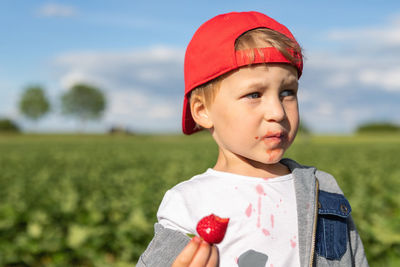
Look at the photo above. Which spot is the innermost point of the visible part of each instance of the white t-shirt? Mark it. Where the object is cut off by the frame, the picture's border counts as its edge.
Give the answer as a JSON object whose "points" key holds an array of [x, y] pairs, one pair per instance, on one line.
{"points": [[262, 230]]}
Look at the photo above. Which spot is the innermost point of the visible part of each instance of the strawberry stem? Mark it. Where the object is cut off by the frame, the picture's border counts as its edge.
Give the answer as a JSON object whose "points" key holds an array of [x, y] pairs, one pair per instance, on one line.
{"points": [[191, 235]]}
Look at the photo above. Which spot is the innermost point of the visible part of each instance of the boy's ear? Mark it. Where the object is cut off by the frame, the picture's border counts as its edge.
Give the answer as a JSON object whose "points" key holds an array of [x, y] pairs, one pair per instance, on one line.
{"points": [[200, 112]]}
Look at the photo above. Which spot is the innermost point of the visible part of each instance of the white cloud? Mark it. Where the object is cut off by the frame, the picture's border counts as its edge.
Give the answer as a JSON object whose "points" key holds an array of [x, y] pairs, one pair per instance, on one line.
{"points": [[126, 103], [340, 79], [387, 34], [74, 77], [163, 111], [388, 79], [136, 110], [155, 65], [144, 88], [343, 69], [356, 79], [368, 56], [10, 97], [325, 109], [332, 59], [56, 10]]}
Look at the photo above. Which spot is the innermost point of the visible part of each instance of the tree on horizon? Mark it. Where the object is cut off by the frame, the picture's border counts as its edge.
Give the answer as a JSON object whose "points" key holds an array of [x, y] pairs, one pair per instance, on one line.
{"points": [[83, 102], [33, 103]]}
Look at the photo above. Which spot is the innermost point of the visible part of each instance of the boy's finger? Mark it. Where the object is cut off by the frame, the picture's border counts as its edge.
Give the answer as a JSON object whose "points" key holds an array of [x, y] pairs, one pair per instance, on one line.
{"points": [[202, 255], [187, 254], [214, 257]]}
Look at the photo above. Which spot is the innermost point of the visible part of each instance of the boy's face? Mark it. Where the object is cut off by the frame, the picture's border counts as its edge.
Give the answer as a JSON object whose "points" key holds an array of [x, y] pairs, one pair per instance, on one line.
{"points": [[255, 113]]}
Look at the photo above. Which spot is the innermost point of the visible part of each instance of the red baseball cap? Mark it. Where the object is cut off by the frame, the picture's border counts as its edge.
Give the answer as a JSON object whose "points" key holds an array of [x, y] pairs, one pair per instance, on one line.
{"points": [[211, 52]]}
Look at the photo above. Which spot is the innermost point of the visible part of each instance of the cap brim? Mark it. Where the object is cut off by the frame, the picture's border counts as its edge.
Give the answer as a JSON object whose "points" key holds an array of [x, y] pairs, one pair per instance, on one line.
{"points": [[188, 124]]}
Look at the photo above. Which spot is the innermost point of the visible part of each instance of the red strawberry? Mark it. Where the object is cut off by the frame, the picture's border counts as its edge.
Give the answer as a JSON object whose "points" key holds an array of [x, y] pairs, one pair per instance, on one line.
{"points": [[212, 228]]}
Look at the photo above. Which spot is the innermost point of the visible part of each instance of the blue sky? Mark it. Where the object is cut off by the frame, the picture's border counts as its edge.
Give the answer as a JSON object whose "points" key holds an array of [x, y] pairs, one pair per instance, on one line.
{"points": [[133, 51]]}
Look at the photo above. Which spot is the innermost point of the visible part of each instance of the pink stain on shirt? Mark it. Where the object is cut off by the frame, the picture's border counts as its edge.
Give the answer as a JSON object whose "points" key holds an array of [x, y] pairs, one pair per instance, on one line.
{"points": [[266, 232], [259, 213], [272, 220], [249, 210], [293, 243], [260, 190]]}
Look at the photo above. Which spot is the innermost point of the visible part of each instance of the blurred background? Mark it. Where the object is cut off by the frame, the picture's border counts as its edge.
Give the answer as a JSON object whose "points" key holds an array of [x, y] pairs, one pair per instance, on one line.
{"points": [[90, 112]]}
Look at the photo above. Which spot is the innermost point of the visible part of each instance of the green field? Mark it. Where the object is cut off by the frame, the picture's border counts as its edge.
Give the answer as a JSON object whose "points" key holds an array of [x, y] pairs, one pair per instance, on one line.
{"points": [[91, 200]]}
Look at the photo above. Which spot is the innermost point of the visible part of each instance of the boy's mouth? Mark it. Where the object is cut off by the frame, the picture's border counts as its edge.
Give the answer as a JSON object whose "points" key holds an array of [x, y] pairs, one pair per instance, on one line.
{"points": [[279, 134], [274, 137]]}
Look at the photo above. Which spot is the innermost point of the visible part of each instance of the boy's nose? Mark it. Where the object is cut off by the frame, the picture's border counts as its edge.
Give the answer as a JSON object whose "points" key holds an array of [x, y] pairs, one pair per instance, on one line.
{"points": [[274, 111]]}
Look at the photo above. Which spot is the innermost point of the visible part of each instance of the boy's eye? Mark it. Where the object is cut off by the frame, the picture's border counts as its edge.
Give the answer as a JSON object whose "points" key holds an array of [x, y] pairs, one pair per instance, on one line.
{"points": [[286, 93], [253, 95]]}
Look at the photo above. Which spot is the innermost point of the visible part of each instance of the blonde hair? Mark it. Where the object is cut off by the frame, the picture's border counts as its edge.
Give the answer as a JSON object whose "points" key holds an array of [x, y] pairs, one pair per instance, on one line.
{"points": [[263, 37], [255, 38]]}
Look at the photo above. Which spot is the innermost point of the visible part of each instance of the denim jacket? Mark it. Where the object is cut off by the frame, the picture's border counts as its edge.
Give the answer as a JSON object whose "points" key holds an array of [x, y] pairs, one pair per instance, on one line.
{"points": [[327, 234]]}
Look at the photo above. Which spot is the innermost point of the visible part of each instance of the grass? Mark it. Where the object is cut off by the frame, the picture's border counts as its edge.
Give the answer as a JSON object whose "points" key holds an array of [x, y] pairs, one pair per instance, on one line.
{"points": [[92, 199]]}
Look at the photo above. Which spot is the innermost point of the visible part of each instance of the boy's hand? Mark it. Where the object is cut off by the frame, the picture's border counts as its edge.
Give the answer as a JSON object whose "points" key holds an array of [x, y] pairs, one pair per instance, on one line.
{"points": [[197, 253]]}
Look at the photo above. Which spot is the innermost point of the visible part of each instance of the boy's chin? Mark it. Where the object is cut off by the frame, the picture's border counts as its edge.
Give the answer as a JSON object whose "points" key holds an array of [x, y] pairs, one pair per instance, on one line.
{"points": [[271, 162], [273, 156], [266, 160]]}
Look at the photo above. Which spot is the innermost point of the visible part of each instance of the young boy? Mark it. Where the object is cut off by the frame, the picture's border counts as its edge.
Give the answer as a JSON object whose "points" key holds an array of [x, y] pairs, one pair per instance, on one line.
{"points": [[241, 82]]}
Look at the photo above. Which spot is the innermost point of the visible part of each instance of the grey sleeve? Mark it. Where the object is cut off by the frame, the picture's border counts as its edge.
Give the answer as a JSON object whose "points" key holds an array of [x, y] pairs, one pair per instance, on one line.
{"points": [[164, 248], [356, 246]]}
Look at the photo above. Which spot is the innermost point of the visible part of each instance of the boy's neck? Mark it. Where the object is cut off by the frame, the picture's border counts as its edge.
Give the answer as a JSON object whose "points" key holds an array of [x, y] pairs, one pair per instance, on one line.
{"points": [[246, 167]]}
